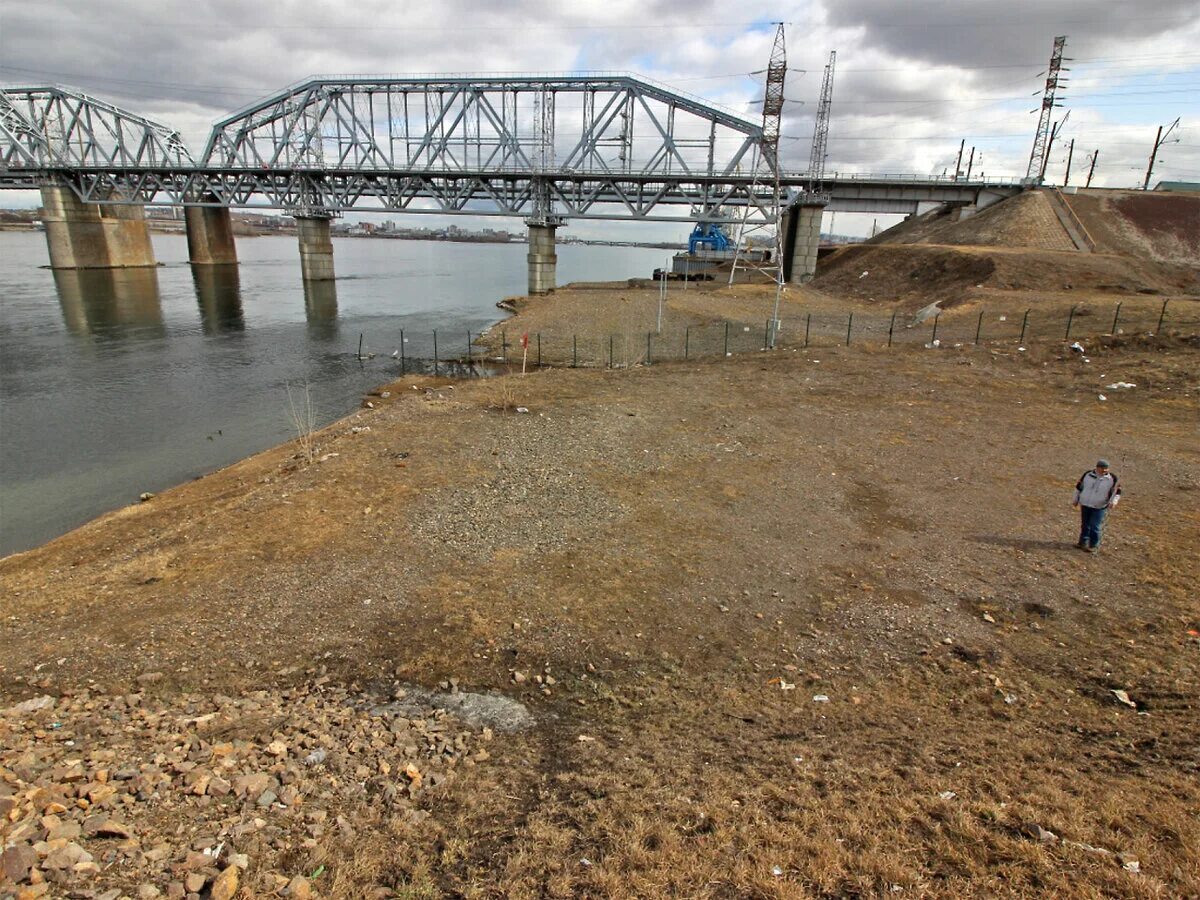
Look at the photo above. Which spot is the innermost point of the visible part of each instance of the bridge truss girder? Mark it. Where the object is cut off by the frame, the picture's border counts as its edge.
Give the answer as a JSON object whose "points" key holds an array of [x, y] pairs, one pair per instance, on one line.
{"points": [[629, 197], [54, 126], [601, 125]]}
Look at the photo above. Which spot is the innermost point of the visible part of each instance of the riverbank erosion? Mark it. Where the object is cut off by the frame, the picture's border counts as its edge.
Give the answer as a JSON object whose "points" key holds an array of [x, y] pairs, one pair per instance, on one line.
{"points": [[802, 623]]}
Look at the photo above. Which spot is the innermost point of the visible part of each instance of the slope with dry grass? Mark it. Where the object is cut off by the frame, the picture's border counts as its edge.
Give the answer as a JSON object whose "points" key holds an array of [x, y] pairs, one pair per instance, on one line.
{"points": [[669, 566]]}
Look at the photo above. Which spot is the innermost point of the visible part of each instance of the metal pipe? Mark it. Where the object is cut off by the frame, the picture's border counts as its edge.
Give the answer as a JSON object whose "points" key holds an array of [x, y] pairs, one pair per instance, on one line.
{"points": [[978, 328], [1024, 323], [435, 353], [1116, 318]]}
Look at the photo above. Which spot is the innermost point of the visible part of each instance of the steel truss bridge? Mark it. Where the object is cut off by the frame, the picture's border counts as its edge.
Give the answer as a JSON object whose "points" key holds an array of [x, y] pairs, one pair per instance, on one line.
{"points": [[599, 146]]}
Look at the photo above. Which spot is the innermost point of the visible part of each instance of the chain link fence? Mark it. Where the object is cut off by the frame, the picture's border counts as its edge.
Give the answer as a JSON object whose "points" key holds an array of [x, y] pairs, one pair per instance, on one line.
{"points": [[468, 354]]}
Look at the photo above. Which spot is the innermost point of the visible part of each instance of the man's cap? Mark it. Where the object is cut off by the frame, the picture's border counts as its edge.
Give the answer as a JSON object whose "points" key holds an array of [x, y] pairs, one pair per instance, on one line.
{"points": [[1102, 464]]}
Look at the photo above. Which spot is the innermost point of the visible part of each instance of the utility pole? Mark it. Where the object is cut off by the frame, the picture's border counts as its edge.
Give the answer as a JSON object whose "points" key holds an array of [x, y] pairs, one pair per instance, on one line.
{"points": [[1070, 156], [958, 164], [1053, 83], [1050, 144], [1159, 140], [1092, 168], [970, 163]]}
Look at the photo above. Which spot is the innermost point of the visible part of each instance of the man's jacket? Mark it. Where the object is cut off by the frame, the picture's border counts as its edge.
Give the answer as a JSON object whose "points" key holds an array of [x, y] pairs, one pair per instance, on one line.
{"points": [[1097, 491]]}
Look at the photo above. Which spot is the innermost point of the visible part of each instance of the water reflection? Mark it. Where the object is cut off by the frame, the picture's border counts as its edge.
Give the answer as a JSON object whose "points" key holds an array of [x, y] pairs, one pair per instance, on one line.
{"points": [[321, 308], [110, 301], [219, 293]]}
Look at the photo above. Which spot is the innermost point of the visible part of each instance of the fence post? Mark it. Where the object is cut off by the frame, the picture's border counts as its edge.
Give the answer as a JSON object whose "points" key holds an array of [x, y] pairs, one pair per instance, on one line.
{"points": [[687, 339], [649, 334], [360, 337], [726, 338], [933, 337], [402, 366], [574, 351], [1024, 322], [539, 349], [766, 334], [435, 354], [978, 327], [1160, 317], [469, 360], [1070, 319], [610, 348], [1116, 317], [849, 325], [891, 327], [807, 326], [504, 345]]}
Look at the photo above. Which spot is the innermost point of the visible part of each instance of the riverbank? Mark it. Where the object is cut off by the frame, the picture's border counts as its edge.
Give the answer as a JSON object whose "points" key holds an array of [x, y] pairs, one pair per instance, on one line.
{"points": [[786, 624]]}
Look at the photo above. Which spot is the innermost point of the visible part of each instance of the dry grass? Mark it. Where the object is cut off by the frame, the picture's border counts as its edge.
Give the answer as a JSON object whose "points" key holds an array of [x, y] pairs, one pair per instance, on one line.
{"points": [[667, 541]]}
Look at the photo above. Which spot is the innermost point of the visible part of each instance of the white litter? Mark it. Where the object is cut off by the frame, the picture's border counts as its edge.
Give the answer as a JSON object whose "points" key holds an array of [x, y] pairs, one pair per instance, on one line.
{"points": [[1102, 397], [820, 698], [947, 795], [1121, 385], [863, 275], [1077, 347]]}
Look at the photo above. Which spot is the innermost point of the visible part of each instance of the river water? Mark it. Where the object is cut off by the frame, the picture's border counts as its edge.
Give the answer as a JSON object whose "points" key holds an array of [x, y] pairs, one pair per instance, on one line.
{"points": [[117, 382]]}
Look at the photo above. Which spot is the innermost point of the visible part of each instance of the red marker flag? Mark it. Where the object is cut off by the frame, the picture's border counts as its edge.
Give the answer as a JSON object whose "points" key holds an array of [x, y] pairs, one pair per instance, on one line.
{"points": [[525, 340]]}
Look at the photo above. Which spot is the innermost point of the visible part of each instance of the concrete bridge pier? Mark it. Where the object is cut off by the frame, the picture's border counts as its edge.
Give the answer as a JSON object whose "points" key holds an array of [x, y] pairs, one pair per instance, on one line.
{"points": [[210, 236], [94, 236], [543, 261], [802, 237], [316, 248]]}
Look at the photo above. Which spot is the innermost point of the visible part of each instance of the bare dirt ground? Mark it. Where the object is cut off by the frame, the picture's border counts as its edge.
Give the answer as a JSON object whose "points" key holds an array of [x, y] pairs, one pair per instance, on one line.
{"points": [[789, 624]]}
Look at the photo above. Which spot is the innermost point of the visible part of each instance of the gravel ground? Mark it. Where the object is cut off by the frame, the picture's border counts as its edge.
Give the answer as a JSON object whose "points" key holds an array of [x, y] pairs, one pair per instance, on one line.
{"points": [[786, 624]]}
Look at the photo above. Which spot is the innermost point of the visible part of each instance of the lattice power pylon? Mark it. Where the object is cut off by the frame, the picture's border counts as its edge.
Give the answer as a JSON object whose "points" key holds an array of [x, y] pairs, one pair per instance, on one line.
{"points": [[820, 144], [766, 175], [1053, 82]]}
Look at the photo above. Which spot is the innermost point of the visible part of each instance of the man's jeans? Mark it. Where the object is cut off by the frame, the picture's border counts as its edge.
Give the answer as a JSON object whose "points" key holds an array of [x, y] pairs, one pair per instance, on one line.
{"points": [[1092, 523]]}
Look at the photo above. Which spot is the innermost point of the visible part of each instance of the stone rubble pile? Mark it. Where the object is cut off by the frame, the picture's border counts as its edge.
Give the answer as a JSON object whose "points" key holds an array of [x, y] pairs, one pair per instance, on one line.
{"points": [[137, 796]]}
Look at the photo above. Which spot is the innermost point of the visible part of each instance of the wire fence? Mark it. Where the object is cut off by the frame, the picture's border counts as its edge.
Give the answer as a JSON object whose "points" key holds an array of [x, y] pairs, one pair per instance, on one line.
{"points": [[468, 354]]}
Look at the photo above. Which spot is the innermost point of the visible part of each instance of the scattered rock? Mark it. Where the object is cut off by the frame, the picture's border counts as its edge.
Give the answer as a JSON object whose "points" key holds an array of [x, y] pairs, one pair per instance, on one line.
{"points": [[33, 704], [226, 884], [1123, 698]]}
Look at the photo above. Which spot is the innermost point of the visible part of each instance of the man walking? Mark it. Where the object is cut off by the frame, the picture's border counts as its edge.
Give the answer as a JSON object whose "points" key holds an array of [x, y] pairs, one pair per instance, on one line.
{"points": [[1096, 493]]}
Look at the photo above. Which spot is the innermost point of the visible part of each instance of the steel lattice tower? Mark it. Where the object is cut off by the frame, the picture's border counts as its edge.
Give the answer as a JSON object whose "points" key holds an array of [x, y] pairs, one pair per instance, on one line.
{"points": [[1053, 83], [820, 144], [766, 172]]}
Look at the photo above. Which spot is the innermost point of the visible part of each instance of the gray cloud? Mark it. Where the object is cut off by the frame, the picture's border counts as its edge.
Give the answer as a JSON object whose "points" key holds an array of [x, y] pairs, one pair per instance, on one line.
{"points": [[912, 80]]}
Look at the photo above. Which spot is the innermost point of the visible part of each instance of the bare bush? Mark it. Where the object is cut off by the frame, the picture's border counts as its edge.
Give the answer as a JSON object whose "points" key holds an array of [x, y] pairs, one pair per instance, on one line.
{"points": [[304, 420]]}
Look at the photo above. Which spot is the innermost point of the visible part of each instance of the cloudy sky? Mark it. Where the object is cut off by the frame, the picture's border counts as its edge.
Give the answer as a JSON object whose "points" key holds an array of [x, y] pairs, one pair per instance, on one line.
{"points": [[913, 79]]}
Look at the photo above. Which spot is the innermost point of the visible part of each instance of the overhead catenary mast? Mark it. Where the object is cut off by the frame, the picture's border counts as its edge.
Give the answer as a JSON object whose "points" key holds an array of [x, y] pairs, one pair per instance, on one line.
{"points": [[1054, 81]]}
